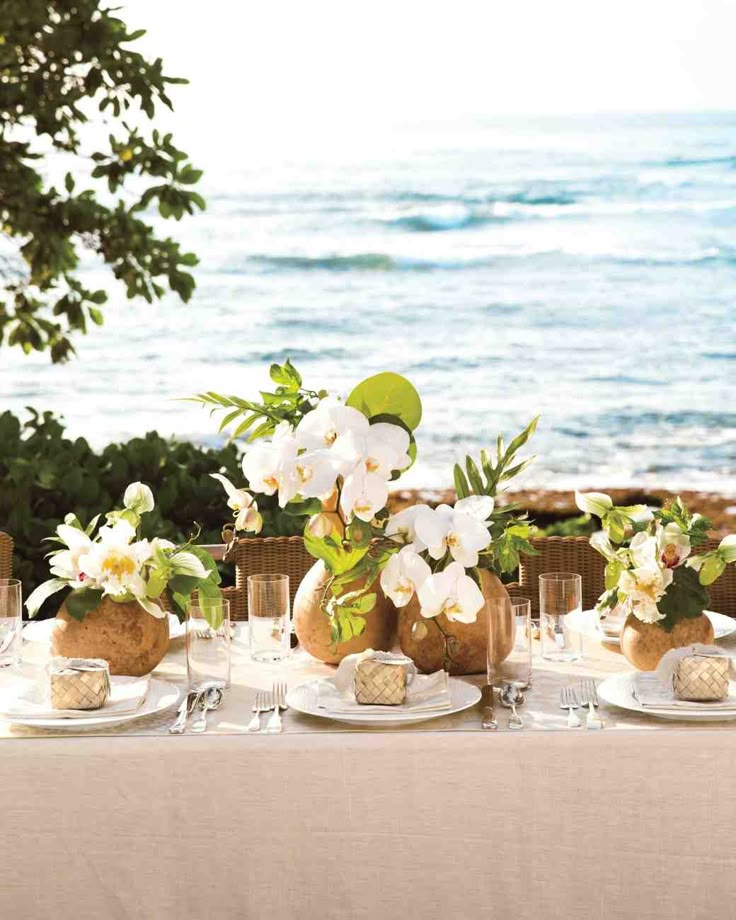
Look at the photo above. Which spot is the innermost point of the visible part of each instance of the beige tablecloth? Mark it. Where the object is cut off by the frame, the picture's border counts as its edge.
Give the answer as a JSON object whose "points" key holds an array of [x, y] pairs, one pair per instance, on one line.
{"points": [[330, 822]]}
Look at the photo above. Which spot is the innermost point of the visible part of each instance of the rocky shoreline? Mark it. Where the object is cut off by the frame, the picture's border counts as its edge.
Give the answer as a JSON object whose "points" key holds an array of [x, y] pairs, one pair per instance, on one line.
{"points": [[547, 507]]}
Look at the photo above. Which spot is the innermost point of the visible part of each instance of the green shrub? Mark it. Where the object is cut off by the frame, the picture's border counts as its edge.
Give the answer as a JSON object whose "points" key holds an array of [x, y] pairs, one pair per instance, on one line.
{"points": [[581, 526], [45, 475]]}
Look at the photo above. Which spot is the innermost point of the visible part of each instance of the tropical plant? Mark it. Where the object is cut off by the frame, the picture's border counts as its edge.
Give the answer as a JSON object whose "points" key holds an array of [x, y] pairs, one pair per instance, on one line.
{"points": [[117, 563], [68, 70], [650, 567]]}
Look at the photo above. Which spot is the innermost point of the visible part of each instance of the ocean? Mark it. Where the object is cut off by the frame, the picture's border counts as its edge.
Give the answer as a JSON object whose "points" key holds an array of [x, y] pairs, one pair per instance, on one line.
{"points": [[581, 268]]}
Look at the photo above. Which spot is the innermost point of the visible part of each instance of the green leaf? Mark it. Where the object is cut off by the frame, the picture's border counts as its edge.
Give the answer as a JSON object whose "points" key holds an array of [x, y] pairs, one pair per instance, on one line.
{"points": [[388, 394], [80, 602], [712, 569], [286, 375], [338, 560], [685, 597], [461, 483]]}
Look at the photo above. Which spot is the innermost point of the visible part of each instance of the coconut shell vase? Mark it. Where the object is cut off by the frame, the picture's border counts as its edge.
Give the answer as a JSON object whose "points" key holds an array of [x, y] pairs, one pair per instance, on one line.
{"points": [[428, 642], [644, 644], [312, 624], [123, 634]]}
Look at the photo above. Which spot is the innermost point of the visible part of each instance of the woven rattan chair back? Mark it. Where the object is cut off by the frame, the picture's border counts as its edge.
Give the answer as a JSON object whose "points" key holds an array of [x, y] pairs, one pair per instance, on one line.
{"points": [[6, 556], [265, 555], [574, 554]]}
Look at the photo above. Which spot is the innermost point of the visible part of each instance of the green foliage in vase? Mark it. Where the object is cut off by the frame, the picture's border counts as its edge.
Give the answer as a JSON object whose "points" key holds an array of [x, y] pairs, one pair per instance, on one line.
{"points": [[66, 66], [510, 531]]}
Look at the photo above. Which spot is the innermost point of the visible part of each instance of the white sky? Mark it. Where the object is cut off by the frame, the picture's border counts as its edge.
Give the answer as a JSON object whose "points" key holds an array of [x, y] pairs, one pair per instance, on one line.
{"points": [[275, 66]]}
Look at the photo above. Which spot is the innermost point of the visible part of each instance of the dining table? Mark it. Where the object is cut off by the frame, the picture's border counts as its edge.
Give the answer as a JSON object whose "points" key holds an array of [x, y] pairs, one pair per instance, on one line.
{"points": [[329, 820]]}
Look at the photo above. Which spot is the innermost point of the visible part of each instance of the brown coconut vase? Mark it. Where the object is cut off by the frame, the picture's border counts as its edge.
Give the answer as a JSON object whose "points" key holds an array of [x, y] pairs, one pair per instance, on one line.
{"points": [[644, 644], [131, 640], [426, 646], [312, 625]]}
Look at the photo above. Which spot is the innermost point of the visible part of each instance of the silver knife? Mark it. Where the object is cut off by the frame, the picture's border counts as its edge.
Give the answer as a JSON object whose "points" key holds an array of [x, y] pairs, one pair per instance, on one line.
{"points": [[185, 710], [488, 718]]}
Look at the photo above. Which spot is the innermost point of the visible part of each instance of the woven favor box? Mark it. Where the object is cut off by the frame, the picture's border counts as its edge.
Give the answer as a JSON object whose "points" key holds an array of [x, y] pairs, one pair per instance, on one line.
{"points": [[701, 677], [380, 684], [79, 683]]}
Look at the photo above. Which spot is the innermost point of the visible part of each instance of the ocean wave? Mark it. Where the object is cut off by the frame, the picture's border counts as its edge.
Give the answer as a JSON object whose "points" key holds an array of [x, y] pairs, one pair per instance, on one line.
{"points": [[365, 261], [729, 160]]}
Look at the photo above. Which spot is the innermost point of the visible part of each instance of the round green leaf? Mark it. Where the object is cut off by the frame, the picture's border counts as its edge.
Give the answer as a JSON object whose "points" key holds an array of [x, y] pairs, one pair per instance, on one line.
{"points": [[388, 394]]}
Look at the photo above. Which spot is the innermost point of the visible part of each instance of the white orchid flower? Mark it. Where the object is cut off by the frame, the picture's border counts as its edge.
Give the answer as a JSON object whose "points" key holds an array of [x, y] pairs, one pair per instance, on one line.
{"points": [[479, 507], [674, 545], [329, 420], [386, 449], [315, 474], [601, 542], [452, 593], [138, 498], [115, 564], [644, 551], [363, 495], [402, 525], [65, 564], [402, 575], [727, 548], [269, 465], [447, 529], [597, 503], [644, 588], [320, 525], [237, 499]]}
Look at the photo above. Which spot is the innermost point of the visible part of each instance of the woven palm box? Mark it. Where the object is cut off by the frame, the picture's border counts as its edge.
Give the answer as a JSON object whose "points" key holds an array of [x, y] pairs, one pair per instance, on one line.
{"points": [[79, 683], [701, 677], [380, 684]]}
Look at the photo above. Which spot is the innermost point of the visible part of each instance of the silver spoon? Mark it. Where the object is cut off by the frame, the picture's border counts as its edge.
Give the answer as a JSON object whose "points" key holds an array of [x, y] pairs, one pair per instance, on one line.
{"points": [[210, 700], [511, 697]]}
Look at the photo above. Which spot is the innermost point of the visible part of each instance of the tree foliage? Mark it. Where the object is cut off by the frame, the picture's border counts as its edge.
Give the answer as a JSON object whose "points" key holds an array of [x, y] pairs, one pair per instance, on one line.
{"points": [[68, 75]]}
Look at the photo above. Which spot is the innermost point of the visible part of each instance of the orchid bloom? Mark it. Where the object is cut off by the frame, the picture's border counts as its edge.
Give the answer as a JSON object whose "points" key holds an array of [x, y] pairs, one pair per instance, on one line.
{"points": [[247, 516], [644, 551], [674, 545], [322, 427], [727, 548], [463, 534], [363, 495], [403, 574], [65, 564], [402, 525], [386, 449], [138, 498], [269, 465], [644, 588], [452, 593], [115, 564]]}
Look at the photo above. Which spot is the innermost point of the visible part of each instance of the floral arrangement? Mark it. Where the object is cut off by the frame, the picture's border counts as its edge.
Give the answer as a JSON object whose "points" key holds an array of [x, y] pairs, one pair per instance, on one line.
{"points": [[650, 564], [437, 553], [333, 462], [116, 563], [330, 462]]}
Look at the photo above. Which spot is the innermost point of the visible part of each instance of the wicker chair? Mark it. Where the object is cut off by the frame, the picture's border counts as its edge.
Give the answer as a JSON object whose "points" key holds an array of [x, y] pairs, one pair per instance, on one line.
{"points": [[264, 555], [6, 556], [574, 554]]}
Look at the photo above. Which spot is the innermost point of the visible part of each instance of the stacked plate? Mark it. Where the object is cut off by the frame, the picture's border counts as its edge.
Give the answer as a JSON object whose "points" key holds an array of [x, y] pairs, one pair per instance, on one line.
{"points": [[588, 623]]}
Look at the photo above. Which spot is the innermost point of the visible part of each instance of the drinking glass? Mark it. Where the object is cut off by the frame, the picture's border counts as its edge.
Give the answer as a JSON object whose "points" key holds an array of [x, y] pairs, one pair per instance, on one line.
{"points": [[500, 635], [208, 645], [269, 617], [516, 668], [11, 621], [560, 593]]}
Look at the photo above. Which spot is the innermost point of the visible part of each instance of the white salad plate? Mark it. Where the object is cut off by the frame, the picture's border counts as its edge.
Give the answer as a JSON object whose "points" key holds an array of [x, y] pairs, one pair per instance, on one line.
{"points": [[161, 696], [619, 690], [40, 630], [586, 622], [304, 699]]}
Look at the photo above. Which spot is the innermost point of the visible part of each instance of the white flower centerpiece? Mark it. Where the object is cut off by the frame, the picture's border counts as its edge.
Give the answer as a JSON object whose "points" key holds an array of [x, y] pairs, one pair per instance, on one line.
{"points": [[328, 462], [655, 574], [119, 581], [446, 563]]}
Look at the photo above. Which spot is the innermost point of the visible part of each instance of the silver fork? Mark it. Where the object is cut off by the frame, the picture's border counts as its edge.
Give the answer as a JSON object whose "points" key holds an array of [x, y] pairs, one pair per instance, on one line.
{"points": [[589, 698], [260, 705], [569, 701], [274, 724]]}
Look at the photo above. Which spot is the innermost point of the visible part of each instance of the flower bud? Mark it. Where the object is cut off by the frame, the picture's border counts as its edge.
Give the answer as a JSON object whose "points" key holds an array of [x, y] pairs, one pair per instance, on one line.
{"points": [[597, 503], [138, 498], [727, 548], [320, 526]]}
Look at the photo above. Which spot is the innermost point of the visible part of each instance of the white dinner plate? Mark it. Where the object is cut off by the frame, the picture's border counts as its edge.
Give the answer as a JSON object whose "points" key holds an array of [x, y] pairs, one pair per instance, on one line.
{"points": [[40, 630], [161, 696], [586, 622], [618, 690], [304, 699]]}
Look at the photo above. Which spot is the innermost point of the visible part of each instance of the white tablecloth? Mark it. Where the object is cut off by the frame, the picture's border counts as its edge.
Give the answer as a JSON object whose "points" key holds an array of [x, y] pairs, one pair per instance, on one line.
{"points": [[323, 823]]}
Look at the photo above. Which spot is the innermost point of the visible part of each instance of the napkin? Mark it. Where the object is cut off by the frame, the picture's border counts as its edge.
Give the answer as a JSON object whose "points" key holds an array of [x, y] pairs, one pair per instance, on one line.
{"points": [[651, 692], [424, 692], [30, 699]]}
